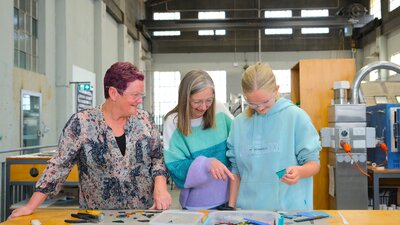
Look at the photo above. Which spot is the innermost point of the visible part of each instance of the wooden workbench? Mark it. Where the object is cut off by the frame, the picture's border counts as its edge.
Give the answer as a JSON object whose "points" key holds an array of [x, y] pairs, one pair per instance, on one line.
{"points": [[354, 217]]}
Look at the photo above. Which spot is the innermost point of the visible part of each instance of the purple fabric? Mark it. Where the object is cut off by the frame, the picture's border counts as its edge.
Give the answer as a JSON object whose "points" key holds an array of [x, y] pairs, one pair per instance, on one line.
{"points": [[201, 189]]}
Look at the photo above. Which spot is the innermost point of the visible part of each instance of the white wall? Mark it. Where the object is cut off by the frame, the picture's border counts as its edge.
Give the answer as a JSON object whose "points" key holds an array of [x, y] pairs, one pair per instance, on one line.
{"points": [[393, 43], [74, 46], [80, 31], [126, 45], [71, 33], [47, 66], [87, 38], [110, 43], [8, 127], [129, 50], [224, 61], [381, 50]]}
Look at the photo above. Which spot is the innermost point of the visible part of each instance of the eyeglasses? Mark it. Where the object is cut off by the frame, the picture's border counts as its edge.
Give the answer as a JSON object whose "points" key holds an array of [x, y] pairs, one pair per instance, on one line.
{"points": [[132, 95], [262, 104], [197, 103]]}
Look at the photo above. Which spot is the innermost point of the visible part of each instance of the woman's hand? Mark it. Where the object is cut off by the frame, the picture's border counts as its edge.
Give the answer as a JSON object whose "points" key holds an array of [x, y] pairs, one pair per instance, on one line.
{"points": [[162, 200], [161, 197], [23, 211], [219, 171], [36, 199], [295, 173], [292, 175]]}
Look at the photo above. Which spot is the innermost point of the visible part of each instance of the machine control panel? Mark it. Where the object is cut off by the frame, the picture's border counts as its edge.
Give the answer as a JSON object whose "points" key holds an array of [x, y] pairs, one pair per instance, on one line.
{"points": [[357, 137]]}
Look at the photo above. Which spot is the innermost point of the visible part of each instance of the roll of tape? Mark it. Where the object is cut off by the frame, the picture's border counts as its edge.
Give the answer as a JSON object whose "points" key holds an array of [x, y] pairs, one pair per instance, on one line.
{"points": [[36, 222]]}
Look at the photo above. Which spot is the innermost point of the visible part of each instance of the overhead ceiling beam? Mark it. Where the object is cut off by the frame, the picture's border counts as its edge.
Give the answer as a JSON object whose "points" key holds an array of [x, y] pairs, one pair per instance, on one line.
{"points": [[246, 23], [267, 45], [155, 2]]}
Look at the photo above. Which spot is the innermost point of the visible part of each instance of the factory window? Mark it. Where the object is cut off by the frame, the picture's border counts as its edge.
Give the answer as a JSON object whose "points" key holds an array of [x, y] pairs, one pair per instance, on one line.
{"points": [[167, 33], [373, 75], [283, 80], [220, 32], [314, 12], [393, 4], [211, 32], [166, 96], [167, 16], [315, 30], [219, 78], [395, 58], [206, 32], [276, 31], [211, 15], [278, 14], [375, 8], [25, 34]]}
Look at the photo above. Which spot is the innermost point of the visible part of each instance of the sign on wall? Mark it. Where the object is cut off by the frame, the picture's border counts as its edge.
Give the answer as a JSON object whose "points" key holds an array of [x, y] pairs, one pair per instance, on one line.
{"points": [[84, 96]]}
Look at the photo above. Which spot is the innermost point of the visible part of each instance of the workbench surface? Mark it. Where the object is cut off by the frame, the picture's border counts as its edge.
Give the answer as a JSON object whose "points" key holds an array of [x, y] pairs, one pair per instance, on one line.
{"points": [[354, 217]]}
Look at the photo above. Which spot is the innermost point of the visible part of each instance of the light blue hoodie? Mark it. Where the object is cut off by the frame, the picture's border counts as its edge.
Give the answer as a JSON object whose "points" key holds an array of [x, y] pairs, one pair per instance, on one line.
{"points": [[261, 145]]}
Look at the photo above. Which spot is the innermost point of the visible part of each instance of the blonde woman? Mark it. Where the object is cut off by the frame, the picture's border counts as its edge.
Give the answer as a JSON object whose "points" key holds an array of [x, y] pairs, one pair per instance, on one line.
{"points": [[271, 137]]}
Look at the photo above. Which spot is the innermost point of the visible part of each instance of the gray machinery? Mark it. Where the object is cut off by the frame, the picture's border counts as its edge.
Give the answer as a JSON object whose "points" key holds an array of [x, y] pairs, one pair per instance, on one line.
{"points": [[237, 104], [348, 138]]}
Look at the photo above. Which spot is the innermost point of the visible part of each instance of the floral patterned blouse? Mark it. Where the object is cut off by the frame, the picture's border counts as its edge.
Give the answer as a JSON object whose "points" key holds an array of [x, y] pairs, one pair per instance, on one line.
{"points": [[108, 180]]}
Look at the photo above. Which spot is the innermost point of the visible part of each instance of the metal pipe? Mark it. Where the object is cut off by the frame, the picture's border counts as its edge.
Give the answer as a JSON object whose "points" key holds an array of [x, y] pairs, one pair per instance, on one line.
{"points": [[382, 46], [355, 86]]}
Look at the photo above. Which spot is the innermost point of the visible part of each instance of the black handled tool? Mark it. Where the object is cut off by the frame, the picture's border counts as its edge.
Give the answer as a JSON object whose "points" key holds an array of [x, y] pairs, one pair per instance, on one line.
{"points": [[85, 218]]}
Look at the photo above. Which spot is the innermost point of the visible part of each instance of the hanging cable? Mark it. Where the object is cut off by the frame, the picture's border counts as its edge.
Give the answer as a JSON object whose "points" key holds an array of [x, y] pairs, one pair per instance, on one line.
{"points": [[382, 146], [347, 148]]}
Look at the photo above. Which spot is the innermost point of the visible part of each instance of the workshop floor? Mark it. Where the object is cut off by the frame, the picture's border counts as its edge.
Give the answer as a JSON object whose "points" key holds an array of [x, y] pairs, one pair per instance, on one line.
{"points": [[175, 197]]}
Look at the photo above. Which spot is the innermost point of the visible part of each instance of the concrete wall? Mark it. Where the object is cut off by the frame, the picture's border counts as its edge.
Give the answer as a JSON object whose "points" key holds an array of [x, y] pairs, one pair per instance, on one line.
{"points": [[8, 128], [74, 35], [393, 40], [381, 50], [47, 66]]}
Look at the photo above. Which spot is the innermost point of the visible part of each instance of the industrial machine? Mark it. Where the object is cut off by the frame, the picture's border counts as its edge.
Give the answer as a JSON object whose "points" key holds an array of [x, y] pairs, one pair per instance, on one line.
{"points": [[385, 119], [348, 138], [237, 104]]}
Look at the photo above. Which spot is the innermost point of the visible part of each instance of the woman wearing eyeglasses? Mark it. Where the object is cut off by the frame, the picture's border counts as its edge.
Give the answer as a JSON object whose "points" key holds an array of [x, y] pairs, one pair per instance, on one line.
{"points": [[273, 148], [117, 149], [194, 137]]}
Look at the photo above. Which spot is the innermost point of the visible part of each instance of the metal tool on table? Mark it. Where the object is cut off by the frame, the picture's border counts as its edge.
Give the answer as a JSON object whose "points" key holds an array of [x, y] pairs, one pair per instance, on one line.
{"points": [[85, 218], [311, 218]]}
